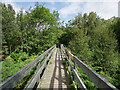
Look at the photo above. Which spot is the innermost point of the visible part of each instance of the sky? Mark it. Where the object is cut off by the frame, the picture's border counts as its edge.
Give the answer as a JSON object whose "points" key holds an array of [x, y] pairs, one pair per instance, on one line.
{"points": [[68, 9]]}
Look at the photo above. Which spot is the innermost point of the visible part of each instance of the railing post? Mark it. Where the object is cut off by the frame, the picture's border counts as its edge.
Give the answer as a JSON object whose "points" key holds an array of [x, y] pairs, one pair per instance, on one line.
{"points": [[74, 64], [75, 67], [61, 51]]}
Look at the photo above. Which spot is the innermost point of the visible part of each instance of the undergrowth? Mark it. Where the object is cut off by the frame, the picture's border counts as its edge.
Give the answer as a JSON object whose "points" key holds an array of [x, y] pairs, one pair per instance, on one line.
{"points": [[14, 63]]}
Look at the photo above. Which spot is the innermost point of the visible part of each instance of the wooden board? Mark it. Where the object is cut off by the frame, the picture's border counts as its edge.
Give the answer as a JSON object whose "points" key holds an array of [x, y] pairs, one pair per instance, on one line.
{"points": [[12, 81], [96, 78], [77, 78]]}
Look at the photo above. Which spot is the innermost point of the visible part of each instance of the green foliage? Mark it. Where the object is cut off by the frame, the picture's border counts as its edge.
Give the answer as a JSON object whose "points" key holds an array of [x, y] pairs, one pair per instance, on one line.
{"points": [[50, 62], [32, 32], [24, 81], [94, 40], [10, 29], [10, 66], [88, 83], [79, 45], [26, 36], [64, 63], [5, 51], [21, 56]]}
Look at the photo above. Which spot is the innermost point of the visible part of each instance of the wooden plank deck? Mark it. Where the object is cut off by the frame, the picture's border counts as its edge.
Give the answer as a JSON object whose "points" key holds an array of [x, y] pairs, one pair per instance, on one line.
{"points": [[55, 76], [51, 74]]}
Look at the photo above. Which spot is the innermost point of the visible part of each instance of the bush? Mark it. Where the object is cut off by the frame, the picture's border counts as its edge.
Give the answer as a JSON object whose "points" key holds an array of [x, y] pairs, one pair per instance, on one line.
{"points": [[14, 63], [14, 55], [23, 56]]}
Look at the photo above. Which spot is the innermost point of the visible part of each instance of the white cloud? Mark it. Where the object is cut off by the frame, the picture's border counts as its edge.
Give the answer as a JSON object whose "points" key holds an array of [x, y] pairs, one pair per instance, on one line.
{"points": [[105, 10], [72, 8], [91, 0], [64, 0]]}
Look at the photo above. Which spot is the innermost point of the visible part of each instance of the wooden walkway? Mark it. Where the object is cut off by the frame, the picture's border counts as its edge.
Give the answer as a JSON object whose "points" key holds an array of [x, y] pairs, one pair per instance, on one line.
{"points": [[51, 74], [55, 76]]}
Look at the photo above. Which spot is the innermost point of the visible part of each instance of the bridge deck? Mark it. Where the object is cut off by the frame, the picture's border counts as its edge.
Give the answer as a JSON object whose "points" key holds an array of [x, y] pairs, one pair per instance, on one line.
{"points": [[55, 75]]}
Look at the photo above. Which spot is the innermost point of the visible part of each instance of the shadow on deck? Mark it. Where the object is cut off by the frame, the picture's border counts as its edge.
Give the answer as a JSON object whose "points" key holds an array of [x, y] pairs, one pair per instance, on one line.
{"points": [[59, 78]]}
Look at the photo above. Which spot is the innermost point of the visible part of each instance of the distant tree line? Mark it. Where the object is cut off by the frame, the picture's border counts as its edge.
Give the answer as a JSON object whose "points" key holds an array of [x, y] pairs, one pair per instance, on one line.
{"points": [[33, 31], [94, 40]]}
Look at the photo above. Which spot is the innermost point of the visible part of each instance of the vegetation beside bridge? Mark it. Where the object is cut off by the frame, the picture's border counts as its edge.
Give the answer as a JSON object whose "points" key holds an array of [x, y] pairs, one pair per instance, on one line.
{"points": [[27, 35]]}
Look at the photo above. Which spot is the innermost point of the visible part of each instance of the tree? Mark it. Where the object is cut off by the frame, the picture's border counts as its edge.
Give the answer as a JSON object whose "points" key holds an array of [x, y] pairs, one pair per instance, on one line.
{"points": [[79, 44], [9, 27]]}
